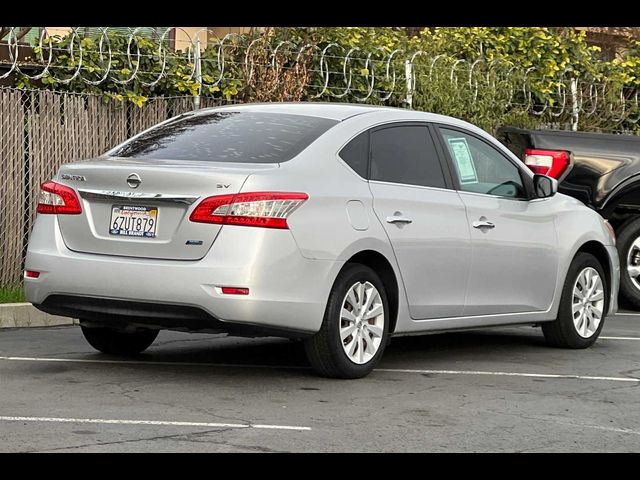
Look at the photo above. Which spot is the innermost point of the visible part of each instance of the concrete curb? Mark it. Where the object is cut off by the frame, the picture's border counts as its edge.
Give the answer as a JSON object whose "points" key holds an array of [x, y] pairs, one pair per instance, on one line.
{"points": [[19, 315]]}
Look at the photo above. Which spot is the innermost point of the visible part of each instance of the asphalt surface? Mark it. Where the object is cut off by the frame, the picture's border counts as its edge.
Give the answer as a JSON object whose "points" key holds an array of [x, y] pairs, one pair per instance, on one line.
{"points": [[487, 390]]}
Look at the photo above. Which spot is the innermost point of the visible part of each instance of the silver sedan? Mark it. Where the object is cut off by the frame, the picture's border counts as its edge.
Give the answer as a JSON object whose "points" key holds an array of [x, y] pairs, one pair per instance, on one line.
{"points": [[342, 225]]}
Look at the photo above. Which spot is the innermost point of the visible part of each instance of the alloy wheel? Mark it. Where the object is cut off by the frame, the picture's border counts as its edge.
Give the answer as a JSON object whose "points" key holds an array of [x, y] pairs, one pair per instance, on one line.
{"points": [[362, 320], [588, 302]]}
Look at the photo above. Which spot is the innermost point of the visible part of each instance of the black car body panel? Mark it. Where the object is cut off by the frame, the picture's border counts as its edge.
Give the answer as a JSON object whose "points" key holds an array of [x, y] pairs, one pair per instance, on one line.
{"points": [[605, 168]]}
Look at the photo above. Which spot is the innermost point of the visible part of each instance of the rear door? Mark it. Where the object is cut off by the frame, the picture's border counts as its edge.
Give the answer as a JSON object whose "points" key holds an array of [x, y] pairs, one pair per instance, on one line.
{"points": [[514, 256], [424, 219]]}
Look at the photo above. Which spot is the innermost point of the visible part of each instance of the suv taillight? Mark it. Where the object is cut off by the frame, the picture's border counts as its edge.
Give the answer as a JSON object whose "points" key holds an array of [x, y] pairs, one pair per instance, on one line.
{"points": [[256, 209], [552, 163], [58, 199]]}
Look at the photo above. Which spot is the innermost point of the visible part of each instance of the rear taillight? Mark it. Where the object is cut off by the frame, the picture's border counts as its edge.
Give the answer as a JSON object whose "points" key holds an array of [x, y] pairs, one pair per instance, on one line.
{"points": [[234, 291], [552, 163], [257, 209], [612, 232], [58, 199]]}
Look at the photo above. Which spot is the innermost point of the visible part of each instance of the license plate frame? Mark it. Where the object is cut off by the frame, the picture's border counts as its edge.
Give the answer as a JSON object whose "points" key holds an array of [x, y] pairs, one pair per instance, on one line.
{"points": [[133, 221]]}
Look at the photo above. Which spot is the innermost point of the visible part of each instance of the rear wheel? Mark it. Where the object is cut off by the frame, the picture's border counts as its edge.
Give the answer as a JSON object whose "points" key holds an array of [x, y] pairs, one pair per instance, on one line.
{"points": [[583, 305], [119, 342], [628, 244], [354, 331]]}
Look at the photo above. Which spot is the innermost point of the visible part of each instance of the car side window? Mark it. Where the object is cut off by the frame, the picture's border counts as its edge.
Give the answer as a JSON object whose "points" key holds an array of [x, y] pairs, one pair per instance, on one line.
{"points": [[405, 154], [481, 168], [356, 154]]}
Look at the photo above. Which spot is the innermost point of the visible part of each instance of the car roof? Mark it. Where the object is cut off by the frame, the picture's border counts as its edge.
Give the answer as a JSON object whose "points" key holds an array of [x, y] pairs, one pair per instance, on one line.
{"points": [[339, 111], [333, 111]]}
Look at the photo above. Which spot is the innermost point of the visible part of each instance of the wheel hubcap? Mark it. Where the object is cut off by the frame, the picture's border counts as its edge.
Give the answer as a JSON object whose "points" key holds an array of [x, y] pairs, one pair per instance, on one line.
{"points": [[588, 302], [361, 322], [633, 263]]}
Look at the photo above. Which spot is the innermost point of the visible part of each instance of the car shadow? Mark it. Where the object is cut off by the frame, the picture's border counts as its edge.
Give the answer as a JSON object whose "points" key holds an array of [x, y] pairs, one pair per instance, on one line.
{"points": [[277, 352]]}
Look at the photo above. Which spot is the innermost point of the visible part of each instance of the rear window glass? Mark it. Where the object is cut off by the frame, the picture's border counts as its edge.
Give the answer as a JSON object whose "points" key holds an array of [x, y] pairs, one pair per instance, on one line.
{"points": [[241, 137], [356, 154]]}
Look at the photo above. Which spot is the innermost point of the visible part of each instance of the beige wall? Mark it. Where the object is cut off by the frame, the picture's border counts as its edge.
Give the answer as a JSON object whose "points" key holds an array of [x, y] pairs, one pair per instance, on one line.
{"points": [[184, 35], [205, 34], [58, 30], [222, 31]]}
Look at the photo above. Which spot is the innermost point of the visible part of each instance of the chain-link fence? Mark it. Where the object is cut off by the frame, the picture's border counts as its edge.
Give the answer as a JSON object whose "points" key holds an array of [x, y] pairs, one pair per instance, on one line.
{"points": [[39, 131]]}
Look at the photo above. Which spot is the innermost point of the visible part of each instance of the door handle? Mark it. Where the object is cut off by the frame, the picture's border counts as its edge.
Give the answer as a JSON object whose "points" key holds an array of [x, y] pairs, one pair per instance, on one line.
{"points": [[483, 224], [398, 219]]}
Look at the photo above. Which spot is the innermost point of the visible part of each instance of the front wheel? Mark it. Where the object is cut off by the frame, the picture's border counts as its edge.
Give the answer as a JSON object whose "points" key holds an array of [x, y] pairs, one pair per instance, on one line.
{"points": [[583, 305], [119, 342], [355, 328]]}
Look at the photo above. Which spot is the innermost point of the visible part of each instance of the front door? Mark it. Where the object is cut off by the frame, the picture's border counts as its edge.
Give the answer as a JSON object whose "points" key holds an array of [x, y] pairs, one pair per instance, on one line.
{"points": [[514, 255]]}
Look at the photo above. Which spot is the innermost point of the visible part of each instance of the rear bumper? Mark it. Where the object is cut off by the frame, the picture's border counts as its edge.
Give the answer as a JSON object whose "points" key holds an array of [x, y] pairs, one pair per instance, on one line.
{"points": [[288, 292], [95, 311]]}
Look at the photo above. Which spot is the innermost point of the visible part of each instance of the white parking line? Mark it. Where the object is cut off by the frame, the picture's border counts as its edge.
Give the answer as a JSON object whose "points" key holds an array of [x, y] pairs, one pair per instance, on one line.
{"points": [[598, 427], [619, 338], [281, 367], [511, 374], [149, 422]]}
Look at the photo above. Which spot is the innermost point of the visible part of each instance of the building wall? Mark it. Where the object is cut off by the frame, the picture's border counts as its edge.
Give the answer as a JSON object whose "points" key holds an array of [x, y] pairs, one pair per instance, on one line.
{"points": [[185, 35], [222, 31], [206, 34]]}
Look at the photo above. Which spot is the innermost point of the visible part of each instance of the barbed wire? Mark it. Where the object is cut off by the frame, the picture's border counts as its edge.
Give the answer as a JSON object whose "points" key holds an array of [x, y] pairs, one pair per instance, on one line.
{"points": [[335, 71]]}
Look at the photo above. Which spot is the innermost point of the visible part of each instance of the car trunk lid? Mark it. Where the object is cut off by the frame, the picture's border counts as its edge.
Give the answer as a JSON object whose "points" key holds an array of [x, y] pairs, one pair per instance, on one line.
{"points": [[140, 208]]}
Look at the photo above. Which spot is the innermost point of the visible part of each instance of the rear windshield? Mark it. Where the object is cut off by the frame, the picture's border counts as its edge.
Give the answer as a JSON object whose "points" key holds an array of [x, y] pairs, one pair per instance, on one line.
{"points": [[241, 137]]}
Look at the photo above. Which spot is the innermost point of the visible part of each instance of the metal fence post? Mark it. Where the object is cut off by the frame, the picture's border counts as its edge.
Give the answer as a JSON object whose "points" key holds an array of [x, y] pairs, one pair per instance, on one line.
{"points": [[575, 108], [198, 74], [408, 74]]}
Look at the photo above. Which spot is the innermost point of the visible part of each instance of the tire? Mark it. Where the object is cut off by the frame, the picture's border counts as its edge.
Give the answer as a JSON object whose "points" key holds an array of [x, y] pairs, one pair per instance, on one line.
{"points": [[627, 234], [119, 342], [325, 349], [563, 332]]}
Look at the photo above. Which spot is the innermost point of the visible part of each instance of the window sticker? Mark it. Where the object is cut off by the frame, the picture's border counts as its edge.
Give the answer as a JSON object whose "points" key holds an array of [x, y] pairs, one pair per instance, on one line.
{"points": [[463, 160]]}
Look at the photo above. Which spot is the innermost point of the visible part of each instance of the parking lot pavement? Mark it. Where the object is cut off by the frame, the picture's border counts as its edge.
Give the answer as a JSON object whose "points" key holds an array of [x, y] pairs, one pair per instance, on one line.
{"points": [[490, 390]]}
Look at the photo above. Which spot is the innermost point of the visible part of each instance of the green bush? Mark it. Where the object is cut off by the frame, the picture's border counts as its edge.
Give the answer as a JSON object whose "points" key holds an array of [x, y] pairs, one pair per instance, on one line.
{"points": [[479, 73]]}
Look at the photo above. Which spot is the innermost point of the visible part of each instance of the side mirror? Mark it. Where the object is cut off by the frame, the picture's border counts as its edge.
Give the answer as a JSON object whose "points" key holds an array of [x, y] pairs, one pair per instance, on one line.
{"points": [[544, 186]]}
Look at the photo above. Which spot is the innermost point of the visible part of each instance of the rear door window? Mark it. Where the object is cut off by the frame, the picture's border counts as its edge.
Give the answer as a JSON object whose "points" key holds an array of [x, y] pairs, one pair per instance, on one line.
{"points": [[405, 154], [228, 136]]}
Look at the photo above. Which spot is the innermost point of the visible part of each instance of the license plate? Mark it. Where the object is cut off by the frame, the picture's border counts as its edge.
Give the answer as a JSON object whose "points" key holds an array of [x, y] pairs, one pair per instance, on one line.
{"points": [[133, 221]]}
